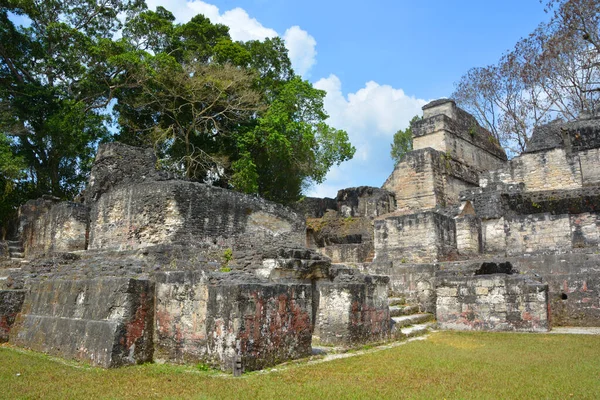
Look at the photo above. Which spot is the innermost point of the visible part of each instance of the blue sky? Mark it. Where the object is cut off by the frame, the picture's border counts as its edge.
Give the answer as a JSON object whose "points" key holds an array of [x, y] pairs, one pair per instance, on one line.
{"points": [[379, 61]]}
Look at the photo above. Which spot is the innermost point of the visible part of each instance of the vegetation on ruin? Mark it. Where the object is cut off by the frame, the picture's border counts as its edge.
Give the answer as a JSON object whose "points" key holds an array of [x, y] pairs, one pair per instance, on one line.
{"points": [[75, 73], [446, 365], [403, 141], [552, 73]]}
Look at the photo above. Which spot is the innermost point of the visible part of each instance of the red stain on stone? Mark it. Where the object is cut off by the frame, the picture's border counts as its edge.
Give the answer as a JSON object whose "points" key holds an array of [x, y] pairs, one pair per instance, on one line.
{"points": [[584, 288], [135, 329], [163, 322], [530, 318], [4, 326]]}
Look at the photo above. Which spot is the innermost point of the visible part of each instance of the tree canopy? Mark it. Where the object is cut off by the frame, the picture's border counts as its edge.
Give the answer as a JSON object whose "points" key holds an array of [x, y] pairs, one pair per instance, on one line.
{"points": [[77, 72], [552, 73], [403, 141]]}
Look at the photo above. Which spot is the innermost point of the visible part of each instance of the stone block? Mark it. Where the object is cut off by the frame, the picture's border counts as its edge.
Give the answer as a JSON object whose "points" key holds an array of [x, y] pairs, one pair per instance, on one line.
{"points": [[352, 310], [499, 304], [148, 214], [49, 225], [106, 321], [11, 302], [421, 238], [215, 318]]}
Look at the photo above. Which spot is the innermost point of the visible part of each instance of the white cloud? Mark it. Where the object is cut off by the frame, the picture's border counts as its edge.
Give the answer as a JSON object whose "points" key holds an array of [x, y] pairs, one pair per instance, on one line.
{"points": [[301, 47], [300, 44], [375, 110], [371, 116]]}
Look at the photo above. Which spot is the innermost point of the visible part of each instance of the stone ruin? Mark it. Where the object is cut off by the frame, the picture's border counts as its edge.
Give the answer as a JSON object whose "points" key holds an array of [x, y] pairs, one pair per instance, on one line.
{"points": [[147, 267], [152, 268]]}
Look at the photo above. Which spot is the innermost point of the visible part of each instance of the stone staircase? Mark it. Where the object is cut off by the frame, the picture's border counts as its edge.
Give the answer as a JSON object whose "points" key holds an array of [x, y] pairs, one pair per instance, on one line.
{"points": [[16, 251], [407, 320]]}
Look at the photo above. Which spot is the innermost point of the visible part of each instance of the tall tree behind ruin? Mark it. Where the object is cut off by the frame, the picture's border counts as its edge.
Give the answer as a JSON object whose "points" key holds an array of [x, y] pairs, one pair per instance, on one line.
{"points": [[228, 112], [202, 99], [552, 73], [55, 84]]}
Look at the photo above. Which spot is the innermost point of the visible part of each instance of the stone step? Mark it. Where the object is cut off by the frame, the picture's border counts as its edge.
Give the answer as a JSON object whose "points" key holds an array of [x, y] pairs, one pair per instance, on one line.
{"points": [[8, 271], [14, 254], [416, 330], [406, 320], [16, 247], [397, 311], [14, 243], [5, 272], [396, 301]]}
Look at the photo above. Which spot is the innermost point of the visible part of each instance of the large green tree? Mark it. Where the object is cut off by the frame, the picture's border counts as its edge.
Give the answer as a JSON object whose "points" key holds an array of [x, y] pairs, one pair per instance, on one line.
{"points": [[231, 113], [55, 84], [227, 112]]}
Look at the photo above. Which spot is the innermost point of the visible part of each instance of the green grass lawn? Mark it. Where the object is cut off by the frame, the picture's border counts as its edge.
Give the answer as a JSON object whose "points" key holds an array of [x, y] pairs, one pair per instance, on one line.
{"points": [[446, 365]]}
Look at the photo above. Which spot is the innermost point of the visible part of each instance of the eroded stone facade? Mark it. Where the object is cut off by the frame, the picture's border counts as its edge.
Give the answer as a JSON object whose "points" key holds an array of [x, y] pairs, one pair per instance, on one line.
{"points": [[150, 267]]}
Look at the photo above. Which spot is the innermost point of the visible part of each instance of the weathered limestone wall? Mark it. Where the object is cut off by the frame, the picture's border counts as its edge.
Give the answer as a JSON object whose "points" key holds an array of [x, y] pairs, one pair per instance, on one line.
{"points": [[147, 214], [106, 322], [579, 135], [414, 182], [352, 253], [365, 201], [4, 251], [552, 169], [537, 233], [345, 234], [413, 282], [574, 285], [585, 229], [343, 239], [314, 207], [496, 302], [573, 281], [204, 319], [352, 311], [135, 206], [589, 160], [11, 302], [415, 238], [52, 226], [456, 133], [468, 235], [118, 164], [349, 308], [427, 178], [493, 233]]}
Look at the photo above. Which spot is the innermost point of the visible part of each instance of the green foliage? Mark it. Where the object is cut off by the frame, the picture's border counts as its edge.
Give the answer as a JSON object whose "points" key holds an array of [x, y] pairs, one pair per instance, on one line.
{"points": [[203, 367], [291, 146], [12, 172], [226, 259], [214, 110], [248, 123], [55, 84], [403, 142]]}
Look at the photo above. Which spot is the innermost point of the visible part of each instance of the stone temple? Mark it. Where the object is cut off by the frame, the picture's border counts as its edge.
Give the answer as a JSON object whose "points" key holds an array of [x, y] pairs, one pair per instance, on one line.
{"points": [[146, 267]]}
